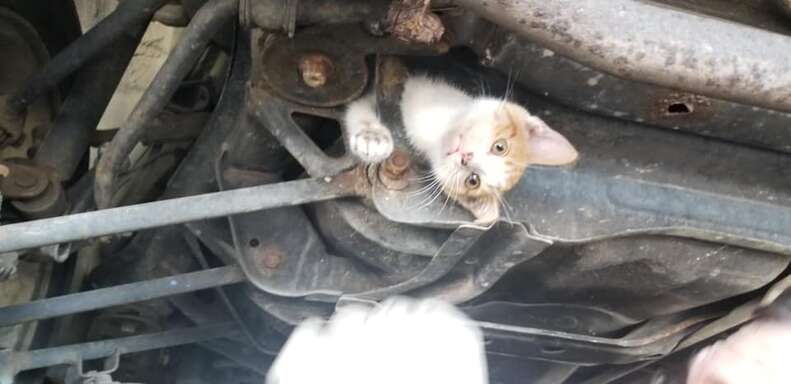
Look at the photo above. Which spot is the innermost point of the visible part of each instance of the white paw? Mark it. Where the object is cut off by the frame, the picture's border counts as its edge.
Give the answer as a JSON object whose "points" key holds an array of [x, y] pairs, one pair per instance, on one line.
{"points": [[372, 145]]}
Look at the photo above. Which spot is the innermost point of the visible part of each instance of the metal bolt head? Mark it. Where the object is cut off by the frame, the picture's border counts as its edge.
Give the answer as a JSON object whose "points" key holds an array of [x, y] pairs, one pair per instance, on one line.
{"points": [[392, 173], [24, 179], [397, 164], [315, 69]]}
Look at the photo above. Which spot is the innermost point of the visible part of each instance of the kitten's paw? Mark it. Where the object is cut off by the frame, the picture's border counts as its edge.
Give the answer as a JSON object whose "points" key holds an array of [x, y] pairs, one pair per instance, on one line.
{"points": [[371, 145]]}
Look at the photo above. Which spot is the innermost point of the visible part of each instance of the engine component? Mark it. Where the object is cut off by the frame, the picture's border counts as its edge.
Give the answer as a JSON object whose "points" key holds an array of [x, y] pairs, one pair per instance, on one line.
{"points": [[315, 69], [24, 53], [203, 26], [33, 190], [126, 17], [69, 137]]}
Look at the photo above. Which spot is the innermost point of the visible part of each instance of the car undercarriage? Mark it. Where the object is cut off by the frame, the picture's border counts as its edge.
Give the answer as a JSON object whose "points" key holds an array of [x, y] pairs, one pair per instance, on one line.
{"points": [[185, 245]]}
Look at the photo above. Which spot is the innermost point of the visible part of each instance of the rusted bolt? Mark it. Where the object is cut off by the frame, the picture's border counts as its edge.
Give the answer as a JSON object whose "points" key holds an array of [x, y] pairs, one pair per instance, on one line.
{"points": [[24, 180], [391, 174], [315, 69], [397, 164]]}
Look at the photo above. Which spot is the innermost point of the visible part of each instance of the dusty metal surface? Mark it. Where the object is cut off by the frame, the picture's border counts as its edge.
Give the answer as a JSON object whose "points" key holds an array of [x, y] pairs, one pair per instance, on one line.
{"points": [[646, 342], [278, 247], [629, 39], [631, 179], [276, 115], [544, 72]]}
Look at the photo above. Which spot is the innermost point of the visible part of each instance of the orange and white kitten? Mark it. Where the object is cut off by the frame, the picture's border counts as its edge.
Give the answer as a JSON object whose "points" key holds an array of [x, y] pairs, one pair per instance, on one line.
{"points": [[477, 147]]}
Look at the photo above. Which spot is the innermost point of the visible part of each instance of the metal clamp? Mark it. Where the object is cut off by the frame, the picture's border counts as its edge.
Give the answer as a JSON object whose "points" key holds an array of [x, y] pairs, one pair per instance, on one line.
{"points": [[76, 374]]}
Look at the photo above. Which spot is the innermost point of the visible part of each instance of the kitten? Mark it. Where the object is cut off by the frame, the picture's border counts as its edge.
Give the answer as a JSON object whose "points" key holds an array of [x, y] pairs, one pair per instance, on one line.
{"points": [[477, 147]]}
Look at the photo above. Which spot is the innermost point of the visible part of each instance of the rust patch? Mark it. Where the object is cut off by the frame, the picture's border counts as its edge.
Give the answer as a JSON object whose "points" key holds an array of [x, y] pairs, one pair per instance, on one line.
{"points": [[315, 69], [392, 173], [679, 105], [411, 20]]}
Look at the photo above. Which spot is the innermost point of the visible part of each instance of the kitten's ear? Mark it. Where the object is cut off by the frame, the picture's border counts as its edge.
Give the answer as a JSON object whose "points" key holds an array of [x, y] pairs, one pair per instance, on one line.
{"points": [[548, 147], [545, 146]]}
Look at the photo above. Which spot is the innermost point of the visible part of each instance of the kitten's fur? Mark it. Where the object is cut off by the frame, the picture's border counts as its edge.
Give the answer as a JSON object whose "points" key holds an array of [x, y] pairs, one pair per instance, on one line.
{"points": [[478, 147]]}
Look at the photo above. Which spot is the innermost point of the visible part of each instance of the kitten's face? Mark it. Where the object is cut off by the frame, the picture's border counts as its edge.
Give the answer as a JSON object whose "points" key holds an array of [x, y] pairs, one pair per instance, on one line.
{"points": [[489, 148]]}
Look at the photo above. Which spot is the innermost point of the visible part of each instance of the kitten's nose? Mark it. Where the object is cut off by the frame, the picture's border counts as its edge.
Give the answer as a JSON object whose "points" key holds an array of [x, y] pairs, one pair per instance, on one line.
{"points": [[466, 158]]}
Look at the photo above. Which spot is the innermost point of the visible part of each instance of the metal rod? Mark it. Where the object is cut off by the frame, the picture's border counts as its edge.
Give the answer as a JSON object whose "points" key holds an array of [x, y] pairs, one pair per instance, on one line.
{"points": [[86, 225], [119, 295], [125, 18], [94, 85], [204, 25], [69, 354], [656, 44], [270, 14]]}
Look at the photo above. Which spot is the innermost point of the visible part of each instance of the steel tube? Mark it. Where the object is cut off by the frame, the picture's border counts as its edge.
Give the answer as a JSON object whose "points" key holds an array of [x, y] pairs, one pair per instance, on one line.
{"points": [[644, 42], [119, 295], [86, 225], [68, 354], [273, 14], [126, 17], [204, 25], [94, 85]]}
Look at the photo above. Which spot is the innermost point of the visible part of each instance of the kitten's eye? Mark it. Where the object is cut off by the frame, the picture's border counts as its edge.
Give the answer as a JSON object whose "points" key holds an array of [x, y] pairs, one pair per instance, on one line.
{"points": [[473, 181], [500, 147]]}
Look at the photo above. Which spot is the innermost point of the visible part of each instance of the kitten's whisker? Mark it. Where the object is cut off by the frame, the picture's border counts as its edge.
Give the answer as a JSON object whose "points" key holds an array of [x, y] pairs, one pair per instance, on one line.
{"points": [[425, 187], [418, 204], [434, 196], [430, 192], [449, 191], [424, 190], [506, 207], [445, 204], [425, 177]]}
